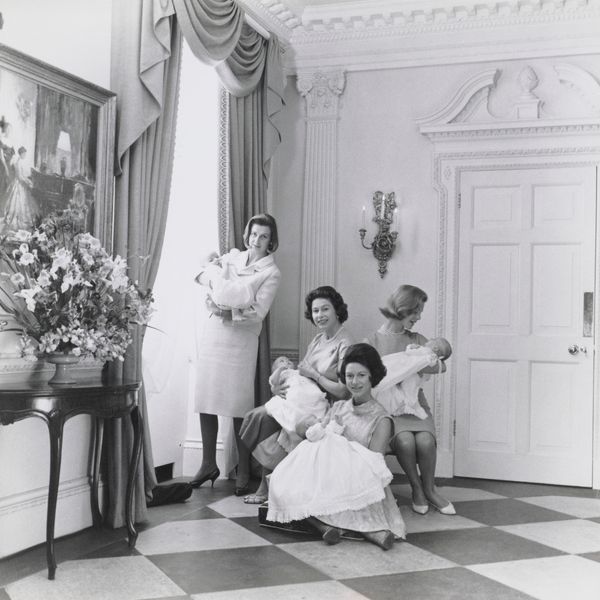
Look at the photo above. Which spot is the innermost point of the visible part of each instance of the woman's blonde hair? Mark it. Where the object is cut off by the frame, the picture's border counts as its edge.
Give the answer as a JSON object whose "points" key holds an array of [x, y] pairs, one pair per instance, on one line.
{"points": [[406, 300]]}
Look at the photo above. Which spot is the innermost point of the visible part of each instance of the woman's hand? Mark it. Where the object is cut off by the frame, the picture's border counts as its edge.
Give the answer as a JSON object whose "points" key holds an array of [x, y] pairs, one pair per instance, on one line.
{"points": [[308, 371], [280, 389]]}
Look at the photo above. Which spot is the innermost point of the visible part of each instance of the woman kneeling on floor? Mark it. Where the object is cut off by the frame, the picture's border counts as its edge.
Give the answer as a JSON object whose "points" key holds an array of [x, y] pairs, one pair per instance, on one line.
{"points": [[337, 478]]}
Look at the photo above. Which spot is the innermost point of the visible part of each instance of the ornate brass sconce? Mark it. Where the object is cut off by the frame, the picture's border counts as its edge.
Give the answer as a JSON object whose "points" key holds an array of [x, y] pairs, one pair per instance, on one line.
{"points": [[384, 242]]}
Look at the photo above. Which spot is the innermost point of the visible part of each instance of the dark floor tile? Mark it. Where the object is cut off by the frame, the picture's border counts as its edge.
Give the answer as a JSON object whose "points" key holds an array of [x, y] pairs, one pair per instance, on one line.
{"points": [[23, 564], [480, 545], [275, 536], [198, 514], [507, 512], [513, 489], [239, 568], [114, 550], [592, 556], [442, 584], [186, 597]]}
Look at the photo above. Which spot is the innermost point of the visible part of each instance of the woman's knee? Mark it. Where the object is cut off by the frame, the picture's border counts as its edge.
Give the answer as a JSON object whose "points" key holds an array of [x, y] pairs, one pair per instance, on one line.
{"points": [[425, 442], [403, 443]]}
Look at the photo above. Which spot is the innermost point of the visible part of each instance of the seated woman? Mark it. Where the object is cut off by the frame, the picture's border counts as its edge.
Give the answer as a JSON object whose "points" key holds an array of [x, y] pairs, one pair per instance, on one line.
{"points": [[337, 477], [414, 442], [326, 309]]}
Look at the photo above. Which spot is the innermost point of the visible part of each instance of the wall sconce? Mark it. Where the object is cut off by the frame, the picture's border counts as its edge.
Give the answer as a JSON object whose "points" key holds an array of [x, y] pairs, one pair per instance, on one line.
{"points": [[384, 242]]}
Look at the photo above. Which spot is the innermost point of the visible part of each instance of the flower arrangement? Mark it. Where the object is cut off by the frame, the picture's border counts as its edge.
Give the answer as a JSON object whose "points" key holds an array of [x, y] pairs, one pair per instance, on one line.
{"points": [[66, 293]]}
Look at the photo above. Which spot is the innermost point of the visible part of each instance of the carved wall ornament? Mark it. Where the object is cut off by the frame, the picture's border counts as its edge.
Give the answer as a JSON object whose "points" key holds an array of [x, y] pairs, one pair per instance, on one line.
{"points": [[321, 91], [468, 114], [582, 83]]}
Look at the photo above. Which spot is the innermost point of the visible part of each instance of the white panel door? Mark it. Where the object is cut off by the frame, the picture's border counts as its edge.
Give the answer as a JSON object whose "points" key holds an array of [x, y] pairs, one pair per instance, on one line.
{"points": [[526, 257]]}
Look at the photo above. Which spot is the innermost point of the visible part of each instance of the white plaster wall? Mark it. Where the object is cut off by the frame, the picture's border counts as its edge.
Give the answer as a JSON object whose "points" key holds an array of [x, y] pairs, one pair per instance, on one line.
{"points": [[75, 36], [380, 148]]}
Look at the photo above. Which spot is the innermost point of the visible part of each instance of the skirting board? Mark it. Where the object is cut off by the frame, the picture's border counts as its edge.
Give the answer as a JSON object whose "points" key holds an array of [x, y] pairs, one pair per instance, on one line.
{"points": [[23, 516], [192, 457]]}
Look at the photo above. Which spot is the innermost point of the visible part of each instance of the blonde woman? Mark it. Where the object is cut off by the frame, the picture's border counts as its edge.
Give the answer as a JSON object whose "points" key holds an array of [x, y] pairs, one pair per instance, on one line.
{"points": [[414, 442]]}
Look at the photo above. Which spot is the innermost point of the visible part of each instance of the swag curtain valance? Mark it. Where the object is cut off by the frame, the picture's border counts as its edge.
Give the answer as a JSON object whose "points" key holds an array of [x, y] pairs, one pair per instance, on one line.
{"points": [[217, 35], [146, 54]]}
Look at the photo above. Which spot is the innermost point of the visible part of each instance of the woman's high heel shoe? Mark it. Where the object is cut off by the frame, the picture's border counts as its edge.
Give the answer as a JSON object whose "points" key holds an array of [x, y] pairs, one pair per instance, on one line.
{"points": [[213, 475], [446, 510], [383, 539], [421, 509]]}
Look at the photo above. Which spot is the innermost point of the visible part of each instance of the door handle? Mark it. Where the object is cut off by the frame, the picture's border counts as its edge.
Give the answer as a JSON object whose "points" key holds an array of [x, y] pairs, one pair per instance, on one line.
{"points": [[575, 349]]}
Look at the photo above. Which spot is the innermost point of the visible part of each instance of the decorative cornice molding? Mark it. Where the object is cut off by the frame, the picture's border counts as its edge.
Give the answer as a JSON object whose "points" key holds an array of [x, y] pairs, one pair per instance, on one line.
{"points": [[332, 22]]}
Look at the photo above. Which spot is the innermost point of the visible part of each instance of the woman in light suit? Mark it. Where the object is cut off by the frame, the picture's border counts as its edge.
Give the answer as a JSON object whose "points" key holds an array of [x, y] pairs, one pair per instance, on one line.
{"points": [[228, 346]]}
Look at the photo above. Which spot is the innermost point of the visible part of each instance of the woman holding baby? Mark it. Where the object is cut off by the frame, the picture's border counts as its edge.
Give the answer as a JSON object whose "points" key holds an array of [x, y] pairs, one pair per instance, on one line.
{"points": [[414, 441], [326, 309], [227, 346]]}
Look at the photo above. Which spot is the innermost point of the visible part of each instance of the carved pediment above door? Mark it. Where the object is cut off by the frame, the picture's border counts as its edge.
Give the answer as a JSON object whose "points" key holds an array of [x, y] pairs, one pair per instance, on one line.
{"points": [[519, 100]]}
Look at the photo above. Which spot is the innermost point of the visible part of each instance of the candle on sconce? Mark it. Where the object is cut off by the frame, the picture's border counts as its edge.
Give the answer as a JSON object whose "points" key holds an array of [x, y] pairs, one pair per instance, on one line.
{"points": [[382, 212], [364, 217]]}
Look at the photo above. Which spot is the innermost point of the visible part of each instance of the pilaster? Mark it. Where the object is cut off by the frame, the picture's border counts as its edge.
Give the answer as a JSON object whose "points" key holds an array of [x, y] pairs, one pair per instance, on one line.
{"points": [[322, 91]]}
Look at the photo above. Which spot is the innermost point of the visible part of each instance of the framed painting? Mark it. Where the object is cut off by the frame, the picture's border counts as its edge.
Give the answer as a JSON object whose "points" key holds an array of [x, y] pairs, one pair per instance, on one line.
{"points": [[56, 146], [57, 135]]}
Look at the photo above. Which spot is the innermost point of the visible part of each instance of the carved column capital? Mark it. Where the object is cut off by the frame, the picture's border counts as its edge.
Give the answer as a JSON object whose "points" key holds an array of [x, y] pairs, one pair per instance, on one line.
{"points": [[321, 91]]}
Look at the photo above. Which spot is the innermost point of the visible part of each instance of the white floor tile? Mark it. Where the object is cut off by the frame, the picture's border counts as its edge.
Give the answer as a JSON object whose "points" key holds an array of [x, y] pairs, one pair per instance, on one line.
{"points": [[189, 536], [574, 536], [434, 521], [363, 559], [323, 590], [453, 494], [556, 578], [584, 508], [233, 507], [125, 578]]}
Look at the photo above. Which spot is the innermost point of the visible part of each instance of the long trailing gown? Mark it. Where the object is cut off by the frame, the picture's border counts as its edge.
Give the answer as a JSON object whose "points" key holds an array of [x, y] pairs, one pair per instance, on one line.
{"points": [[21, 208], [337, 479]]}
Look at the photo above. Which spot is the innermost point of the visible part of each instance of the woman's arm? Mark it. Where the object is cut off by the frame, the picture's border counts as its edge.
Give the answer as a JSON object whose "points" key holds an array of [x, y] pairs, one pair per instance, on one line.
{"points": [[335, 388], [440, 367], [381, 436], [264, 298]]}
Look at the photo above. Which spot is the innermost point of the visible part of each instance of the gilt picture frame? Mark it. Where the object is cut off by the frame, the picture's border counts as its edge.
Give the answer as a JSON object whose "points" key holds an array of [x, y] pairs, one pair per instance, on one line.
{"points": [[57, 134], [57, 145]]}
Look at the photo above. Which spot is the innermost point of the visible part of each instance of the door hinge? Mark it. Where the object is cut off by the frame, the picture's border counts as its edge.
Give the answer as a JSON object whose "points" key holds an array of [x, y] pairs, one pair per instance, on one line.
{"points": [[459, 200], [454, 428]]}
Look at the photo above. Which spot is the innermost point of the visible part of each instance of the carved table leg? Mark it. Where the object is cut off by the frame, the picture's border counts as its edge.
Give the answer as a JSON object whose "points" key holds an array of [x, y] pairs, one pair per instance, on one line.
{"points": [[55, 428], [136, 419], [98, 436]]}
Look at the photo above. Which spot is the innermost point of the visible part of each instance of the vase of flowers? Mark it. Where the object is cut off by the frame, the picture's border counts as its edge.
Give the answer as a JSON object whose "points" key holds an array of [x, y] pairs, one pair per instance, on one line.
{"points": [[69, 298]]}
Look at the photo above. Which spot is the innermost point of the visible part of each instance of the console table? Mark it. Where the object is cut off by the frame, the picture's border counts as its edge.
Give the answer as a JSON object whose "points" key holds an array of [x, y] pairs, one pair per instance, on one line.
{"points": [[55, 404]]}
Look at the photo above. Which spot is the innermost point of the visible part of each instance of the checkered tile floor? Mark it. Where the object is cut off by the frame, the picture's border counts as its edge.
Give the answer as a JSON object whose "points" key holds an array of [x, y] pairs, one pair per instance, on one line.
{"points": [[509, 541]]}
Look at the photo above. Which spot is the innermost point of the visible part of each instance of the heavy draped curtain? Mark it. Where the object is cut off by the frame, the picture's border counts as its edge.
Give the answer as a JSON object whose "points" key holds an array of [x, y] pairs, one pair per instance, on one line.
{"points": [[145, 74]]}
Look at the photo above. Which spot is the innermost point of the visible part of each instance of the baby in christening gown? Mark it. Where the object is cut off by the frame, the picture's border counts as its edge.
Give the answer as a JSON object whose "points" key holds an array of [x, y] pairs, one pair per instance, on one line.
{"points": [[225, 292], [398, 391], [304, 398], [329, 474]]}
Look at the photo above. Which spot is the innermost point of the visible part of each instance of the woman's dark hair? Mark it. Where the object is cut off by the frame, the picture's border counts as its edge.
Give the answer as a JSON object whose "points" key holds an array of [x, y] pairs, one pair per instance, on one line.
{"points": [[265, 220], [367, 356], [328, 293], [406, 300]]}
